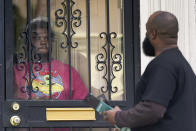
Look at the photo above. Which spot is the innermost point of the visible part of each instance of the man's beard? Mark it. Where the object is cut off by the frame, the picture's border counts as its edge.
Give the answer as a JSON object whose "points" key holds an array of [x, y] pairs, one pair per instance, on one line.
{"points": [[148, 49]]}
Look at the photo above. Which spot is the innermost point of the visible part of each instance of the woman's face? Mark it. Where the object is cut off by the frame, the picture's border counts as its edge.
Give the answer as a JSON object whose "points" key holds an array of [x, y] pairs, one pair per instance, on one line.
{"points": [[40, 40]]}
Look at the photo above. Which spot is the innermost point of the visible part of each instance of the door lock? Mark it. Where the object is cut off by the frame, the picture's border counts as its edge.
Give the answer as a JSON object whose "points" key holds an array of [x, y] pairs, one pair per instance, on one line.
{"points": [[15, 106], [15, 120]]}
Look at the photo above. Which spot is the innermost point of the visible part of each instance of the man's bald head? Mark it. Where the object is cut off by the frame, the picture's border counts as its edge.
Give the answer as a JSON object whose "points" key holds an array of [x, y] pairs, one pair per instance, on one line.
{"points": [[164, 23]]}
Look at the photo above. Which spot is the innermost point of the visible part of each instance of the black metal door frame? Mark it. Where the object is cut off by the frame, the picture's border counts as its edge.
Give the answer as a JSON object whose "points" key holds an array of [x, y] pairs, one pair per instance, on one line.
{"points": [[132, 72], [2, 84]]}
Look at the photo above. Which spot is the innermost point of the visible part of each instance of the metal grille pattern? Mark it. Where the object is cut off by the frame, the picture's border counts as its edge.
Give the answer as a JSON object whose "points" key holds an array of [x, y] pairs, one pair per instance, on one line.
{"points": [[110, 61], [70, 18]]}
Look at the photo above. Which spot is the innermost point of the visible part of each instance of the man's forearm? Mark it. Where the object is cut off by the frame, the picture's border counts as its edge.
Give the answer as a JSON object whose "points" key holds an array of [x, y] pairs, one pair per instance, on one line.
{"points": [[144, 113]]}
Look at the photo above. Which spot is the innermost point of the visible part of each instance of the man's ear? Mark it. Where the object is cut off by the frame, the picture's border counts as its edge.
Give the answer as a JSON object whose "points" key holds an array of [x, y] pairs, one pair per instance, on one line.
{"points": [[153, 34]]}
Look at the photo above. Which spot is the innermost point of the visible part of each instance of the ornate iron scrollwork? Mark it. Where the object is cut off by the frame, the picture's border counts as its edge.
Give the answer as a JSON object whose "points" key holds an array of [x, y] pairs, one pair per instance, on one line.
{"points": [[22, 63], [68, 21], [115, 60]]}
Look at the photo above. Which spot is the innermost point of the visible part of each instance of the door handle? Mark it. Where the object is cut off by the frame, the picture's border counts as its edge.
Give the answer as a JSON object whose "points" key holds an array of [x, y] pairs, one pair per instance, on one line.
{"points": [[15, 120]]}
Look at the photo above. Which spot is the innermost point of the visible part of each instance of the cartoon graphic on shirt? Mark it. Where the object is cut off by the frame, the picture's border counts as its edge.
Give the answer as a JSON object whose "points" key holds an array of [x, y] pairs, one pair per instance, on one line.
{"points": [[40, 85]]}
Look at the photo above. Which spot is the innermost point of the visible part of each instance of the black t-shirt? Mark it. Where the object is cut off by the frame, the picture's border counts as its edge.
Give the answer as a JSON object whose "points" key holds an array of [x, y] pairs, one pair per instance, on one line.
{"points": [[169, 80]]}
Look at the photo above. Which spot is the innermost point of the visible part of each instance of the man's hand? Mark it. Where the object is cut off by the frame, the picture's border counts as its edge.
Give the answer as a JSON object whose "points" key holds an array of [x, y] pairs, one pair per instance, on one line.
{"points": [[110, 115], [115, 129]]}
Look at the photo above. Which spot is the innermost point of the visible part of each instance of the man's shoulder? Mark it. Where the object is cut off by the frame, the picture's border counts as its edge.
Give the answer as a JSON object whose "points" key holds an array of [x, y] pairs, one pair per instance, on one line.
{"points": [[170, 61], [169, 58]]}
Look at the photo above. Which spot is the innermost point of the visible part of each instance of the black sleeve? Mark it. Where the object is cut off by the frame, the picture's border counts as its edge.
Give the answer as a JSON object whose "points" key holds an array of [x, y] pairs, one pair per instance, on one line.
{"points": [[144, 113], [160, 85]]}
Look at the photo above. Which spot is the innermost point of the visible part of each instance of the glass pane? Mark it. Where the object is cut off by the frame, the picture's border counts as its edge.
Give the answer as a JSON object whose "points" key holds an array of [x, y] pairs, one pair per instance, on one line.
{"points": [[20, 48], [116, 20], [107, 22], [72, 31], [69, 48], [97, 25], [64, 74]]}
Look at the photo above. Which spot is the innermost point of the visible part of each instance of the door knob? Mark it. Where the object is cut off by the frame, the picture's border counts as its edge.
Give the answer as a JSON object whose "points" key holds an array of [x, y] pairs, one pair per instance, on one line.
{"points": [[15, 120]]}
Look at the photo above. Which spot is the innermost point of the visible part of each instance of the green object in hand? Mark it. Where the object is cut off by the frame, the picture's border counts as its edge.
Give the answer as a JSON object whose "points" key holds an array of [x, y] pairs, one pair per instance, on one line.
{"points": [[105, 107], [102, 106]]}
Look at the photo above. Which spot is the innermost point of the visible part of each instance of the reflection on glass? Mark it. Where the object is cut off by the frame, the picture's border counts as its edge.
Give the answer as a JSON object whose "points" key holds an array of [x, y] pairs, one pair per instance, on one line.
{"points": [[107, 43], [76, 55], [116, 25], [32, 56]]}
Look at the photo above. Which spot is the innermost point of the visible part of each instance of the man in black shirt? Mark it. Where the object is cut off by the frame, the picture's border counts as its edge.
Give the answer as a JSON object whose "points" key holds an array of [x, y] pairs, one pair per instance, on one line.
{"points": [[166, 92]]}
